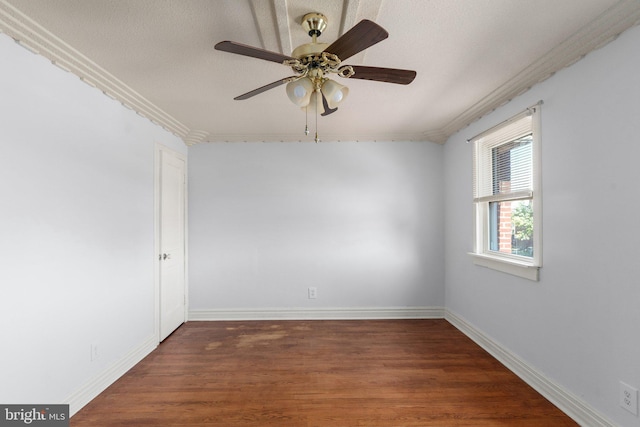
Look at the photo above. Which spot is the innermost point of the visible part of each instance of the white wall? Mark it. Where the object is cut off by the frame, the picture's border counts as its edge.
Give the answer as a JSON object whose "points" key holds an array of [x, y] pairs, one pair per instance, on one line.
{"points": [[76, 226], [580, 325], [362, 222]]}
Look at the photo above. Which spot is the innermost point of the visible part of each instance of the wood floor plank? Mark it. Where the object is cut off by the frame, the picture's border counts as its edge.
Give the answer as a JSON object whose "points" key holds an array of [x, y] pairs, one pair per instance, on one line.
{"points": [[320, 374]]}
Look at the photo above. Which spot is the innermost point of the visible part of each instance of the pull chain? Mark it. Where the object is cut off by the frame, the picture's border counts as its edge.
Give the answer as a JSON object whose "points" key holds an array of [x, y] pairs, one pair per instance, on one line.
{"points": [[317, 124], [317, 106], [306, 120]]}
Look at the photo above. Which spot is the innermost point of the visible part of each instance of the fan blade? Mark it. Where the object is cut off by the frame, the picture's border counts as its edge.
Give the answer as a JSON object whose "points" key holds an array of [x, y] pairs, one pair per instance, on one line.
{"points": [[264, 88], [363, 35], [389, 75], [254, 52], [325, 104]]}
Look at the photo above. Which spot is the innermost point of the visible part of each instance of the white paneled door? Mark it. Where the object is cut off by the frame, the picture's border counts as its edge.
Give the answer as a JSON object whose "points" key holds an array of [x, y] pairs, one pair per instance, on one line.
{"points": [[171, 235]]}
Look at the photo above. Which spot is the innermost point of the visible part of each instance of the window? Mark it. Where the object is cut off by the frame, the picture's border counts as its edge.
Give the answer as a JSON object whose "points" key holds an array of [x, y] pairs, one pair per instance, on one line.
{"points": [[506, 196]]}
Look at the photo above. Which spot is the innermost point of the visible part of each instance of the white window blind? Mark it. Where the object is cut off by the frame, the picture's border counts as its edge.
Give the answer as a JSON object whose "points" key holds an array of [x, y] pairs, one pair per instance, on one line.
{"points": [[503, 161]]}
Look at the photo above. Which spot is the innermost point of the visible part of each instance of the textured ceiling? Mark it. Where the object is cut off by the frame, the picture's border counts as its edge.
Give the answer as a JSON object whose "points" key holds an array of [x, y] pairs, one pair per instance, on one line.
{"points": [[157, 57]]}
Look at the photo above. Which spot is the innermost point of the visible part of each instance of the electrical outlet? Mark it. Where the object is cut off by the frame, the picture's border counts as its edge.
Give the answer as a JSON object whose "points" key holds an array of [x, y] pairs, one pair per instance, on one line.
{"points": [[94, 352], [313, 292], [629, 398]]}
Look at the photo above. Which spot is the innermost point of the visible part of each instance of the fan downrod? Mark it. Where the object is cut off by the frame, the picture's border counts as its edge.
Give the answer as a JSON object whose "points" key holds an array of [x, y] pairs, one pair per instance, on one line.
{"points": [[314, 23]]}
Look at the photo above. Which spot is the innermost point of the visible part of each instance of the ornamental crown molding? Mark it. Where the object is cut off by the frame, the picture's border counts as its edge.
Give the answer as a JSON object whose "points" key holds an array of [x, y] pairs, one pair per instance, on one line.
{"points": [[602, 30], [39, 40], [599, 32]]}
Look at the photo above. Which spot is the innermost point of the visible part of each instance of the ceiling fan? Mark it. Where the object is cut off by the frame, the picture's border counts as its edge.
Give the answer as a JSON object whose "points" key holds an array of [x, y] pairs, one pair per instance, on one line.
{"points": [[313, 62]]}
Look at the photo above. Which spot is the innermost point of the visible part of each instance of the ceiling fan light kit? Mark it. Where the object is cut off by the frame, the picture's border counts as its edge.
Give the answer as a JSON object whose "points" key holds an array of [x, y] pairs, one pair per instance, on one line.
{"points": [[313, 62], [299, 91], [334, 92]]}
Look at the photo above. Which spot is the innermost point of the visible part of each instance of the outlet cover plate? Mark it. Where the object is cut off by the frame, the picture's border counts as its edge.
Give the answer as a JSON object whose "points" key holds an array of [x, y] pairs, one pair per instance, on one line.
{"points": [[629, 398], [94, 352]]}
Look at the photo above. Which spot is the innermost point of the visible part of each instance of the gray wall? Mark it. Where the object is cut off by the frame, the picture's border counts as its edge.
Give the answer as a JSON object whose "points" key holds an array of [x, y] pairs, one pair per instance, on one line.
{"points": [[361, 221], [580, 324], [76, 226]]}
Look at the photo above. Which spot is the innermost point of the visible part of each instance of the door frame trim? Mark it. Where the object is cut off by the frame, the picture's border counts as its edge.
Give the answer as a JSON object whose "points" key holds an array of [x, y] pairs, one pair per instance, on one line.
{"points": [[157, 156]]}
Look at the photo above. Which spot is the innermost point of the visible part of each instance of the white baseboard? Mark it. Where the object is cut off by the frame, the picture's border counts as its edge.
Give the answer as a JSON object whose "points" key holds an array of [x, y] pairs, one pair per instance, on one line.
{"points": [[100, 383], [320, 314], [573, 406]]}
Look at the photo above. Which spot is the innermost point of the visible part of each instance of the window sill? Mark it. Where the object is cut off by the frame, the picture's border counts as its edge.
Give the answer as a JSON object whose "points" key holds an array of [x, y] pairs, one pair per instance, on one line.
{"points": [[514, 267]]}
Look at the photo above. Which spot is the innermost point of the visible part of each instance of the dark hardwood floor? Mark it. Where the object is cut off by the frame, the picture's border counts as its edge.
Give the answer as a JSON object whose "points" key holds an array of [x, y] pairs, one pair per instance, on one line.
{"points": [[320, 373]]}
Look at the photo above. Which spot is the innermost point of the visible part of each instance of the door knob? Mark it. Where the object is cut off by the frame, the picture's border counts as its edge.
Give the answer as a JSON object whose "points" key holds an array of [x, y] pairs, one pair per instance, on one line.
{"points": [[166, 256]]}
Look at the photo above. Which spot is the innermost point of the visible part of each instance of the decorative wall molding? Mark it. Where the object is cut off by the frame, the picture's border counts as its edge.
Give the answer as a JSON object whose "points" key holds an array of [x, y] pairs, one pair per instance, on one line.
{"points": [[604, 29], [569, 403], [325, 137], [100, 383], [599, 32], [364, 313], [195, 137], [37, 39]]}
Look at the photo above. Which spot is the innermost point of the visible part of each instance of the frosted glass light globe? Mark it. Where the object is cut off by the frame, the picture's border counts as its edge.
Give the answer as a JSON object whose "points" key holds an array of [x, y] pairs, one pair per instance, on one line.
{"points": [[299, 91]]}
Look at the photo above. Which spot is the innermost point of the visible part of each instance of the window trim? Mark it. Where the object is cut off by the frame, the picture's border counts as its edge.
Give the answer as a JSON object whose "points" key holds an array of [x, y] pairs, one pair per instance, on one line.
{"points": [[528, 268], [513, 267]]}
